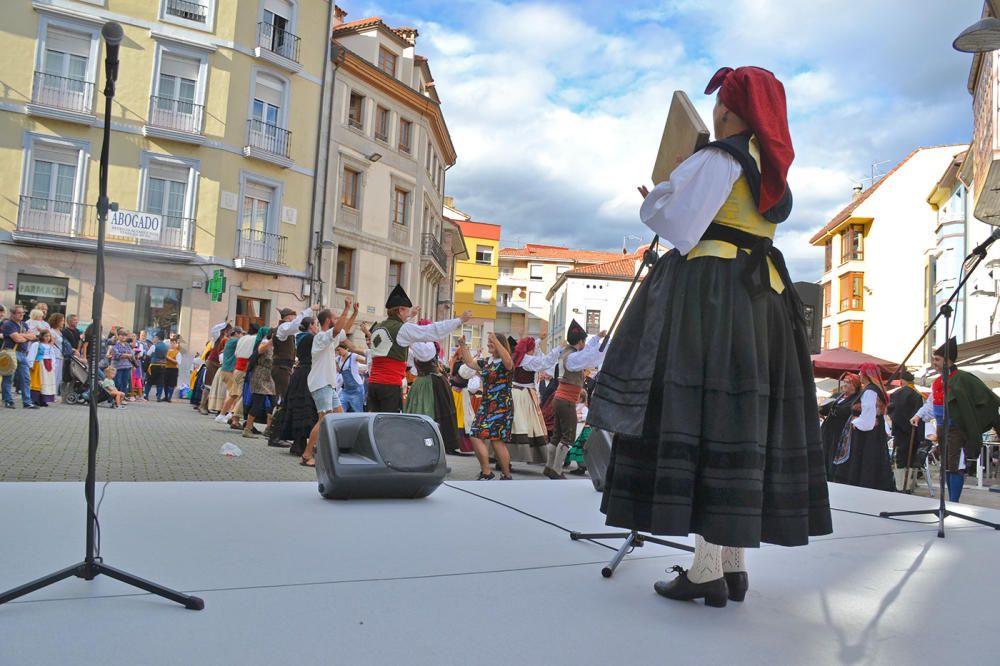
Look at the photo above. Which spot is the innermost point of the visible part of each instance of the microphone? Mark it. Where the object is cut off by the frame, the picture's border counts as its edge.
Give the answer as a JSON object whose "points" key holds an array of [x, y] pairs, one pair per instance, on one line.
{"points": [[112, 33], [982, 247]]}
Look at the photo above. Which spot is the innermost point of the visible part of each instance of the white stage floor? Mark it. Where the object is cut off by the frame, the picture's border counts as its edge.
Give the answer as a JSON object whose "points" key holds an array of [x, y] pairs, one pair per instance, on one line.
{"points": [[288, 577]]}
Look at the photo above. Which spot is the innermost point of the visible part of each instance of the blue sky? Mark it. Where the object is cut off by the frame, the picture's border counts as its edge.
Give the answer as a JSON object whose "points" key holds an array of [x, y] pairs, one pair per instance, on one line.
{"points": [[556, 108]]}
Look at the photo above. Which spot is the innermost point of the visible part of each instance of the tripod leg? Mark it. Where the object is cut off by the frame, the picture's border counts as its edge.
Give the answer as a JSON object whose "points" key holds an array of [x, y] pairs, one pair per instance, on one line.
{"points": [[978, 521], [189, 602], [893, 514], [629, 543], [38, 584]]}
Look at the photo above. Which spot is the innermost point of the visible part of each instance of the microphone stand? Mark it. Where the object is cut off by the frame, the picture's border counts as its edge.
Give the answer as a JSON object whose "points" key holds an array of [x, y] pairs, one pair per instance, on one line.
{"points": [[93, 565], [942, 511]]}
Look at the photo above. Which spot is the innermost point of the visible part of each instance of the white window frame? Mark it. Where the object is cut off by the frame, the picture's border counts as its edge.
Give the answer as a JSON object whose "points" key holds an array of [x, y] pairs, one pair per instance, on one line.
{"points": [[475, 294], [537, 302], [147, 159], [274, 216], [201, 85], [83, 148], [94, 30], [207, 26], [293, 20], [531, 271], [286, 92], [489, 251]]}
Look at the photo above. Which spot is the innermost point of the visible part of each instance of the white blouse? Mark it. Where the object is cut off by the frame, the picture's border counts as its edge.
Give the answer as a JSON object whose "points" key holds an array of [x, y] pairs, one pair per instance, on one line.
{"points": [[680, 209]]}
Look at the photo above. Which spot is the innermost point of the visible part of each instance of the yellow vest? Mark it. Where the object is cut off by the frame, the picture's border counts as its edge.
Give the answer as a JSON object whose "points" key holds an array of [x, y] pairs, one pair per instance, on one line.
{"points": [[739, 212]]}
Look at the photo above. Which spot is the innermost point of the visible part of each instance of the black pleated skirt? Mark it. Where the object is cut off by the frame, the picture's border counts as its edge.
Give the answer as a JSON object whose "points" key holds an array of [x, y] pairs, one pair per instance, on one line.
{"points": [[712, 397]]}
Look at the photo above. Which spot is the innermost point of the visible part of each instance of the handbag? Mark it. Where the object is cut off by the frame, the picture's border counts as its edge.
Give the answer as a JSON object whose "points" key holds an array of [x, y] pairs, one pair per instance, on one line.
{"points": [[8, 362]]}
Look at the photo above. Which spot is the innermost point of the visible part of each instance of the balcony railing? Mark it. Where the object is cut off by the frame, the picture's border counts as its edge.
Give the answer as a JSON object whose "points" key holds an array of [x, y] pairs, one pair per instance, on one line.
{"points": [[278, 41], [260, 246], [70, 219], [431, 247], [185, 9], [269, 138], [62, 92], [175, 114]]}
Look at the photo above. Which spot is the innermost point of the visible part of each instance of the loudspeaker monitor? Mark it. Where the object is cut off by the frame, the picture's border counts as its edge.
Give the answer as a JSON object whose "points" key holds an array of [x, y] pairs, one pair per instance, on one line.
{"points": [[379, 455]]}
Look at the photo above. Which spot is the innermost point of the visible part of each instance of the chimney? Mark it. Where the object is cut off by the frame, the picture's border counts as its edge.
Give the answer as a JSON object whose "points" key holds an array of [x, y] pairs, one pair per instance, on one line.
{"points": [[856, 191], [338, 16], [449, 202], [408, 34]]}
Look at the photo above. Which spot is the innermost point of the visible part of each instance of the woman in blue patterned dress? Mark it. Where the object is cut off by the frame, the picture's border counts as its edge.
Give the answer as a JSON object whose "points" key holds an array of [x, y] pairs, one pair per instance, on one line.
{"points": [[495, 415]]}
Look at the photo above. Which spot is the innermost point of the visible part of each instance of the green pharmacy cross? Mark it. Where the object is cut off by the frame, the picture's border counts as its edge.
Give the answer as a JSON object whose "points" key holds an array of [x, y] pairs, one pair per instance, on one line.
{"points": [[217, 285]]}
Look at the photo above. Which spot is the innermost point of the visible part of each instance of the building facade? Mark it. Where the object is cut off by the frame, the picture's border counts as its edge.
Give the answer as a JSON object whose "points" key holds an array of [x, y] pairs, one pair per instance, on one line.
{"points": [[476, 281], [526, 276], [876, 259], [388, 152], [214, 130], [592, 295]]}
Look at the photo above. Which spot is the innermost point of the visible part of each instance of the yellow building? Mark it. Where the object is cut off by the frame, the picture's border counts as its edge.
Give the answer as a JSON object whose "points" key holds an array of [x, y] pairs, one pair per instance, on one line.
{"points": [[476, 280], [215, 128]]}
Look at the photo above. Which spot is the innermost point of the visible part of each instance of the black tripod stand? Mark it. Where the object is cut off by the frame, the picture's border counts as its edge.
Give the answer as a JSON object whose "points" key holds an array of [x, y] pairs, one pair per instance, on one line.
{"points": [[93, 565], [942, 512], [633, 539]]}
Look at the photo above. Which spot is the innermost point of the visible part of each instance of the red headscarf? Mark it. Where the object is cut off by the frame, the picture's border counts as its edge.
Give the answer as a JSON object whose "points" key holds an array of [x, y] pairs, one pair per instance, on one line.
{"points": [[756, 96], [853, 380], [524, 346], [874, 375]]}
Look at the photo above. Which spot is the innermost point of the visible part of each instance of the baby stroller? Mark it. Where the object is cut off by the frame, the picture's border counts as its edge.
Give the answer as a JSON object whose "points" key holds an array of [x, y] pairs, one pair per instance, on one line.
{"points": [[77, 392]]}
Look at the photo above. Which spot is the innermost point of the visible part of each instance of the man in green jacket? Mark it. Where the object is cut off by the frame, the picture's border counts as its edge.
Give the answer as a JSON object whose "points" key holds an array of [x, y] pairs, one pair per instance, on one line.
{"points": [[972, 410]]}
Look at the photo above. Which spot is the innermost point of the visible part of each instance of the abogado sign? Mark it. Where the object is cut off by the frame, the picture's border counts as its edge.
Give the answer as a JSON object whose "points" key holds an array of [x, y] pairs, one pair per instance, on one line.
{"points": [[131, 224]]}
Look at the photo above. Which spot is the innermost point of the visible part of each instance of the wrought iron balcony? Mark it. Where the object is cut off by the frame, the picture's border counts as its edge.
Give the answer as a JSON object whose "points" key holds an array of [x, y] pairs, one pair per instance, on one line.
{"points": [[431, 247], [190, 11], [268, 138], [68, 219], [62, 92], [278, 41], [260, 246], [175, 114]]}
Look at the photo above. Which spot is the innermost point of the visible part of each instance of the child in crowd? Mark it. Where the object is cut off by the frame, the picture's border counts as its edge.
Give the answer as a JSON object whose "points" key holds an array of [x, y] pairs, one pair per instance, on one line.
{"points": [[108, 384]]}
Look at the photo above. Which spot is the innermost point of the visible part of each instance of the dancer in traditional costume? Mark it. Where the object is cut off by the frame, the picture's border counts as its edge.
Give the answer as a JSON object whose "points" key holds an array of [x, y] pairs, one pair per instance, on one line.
{"points": [[708, 381], [390, 340], [863, 459], [578, 355], [430, 393], [906, 439], [972, 410], [494, 415], [835, 415], [528, 433]]}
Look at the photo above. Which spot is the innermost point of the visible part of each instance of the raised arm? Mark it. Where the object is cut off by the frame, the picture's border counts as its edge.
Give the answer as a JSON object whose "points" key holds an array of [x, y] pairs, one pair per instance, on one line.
{"points": [[410, 333], [539, 362], [466, 355], [505, 358], [590, 356]]}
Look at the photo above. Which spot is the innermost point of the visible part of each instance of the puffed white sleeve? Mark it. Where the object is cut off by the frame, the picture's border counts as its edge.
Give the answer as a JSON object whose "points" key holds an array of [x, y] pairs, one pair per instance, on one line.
{"points": [[926, 411], [410, 333], [540, 362], [866, 421], [680, 209]]}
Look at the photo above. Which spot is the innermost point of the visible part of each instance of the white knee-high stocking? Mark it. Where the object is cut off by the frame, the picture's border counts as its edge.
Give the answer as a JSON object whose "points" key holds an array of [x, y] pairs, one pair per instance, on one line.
{"points": [[707, 563], [733, 559], [557, 454]]}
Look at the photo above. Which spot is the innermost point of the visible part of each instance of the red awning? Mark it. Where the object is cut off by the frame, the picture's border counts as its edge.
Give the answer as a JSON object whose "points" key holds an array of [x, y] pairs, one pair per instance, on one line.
{"points": [[835, 362]]}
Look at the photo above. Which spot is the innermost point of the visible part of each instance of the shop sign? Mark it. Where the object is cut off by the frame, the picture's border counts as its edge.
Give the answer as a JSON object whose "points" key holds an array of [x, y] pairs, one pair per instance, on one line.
{"points": [[42, 290], [130, 224]]}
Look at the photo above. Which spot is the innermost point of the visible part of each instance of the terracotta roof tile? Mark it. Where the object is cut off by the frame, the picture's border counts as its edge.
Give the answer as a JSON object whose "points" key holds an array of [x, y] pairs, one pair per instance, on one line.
{"points": [[620, 268], [360, 23], [556, 252]]}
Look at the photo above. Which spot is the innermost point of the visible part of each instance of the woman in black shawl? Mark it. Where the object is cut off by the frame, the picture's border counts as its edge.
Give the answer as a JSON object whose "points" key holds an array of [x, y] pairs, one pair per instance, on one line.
{"points": [[298, 415], [835, 414], [865, 462]]}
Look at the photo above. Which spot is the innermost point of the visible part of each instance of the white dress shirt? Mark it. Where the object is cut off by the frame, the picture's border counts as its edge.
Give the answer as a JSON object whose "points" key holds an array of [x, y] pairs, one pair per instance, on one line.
{"points": [[290, 327], [680, 209], [324, 359], [590, 356]]}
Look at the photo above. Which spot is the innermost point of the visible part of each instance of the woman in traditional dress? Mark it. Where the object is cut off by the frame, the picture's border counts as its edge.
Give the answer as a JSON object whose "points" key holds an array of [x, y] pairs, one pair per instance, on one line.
{"points": [[261, 384], [44, 381], [529, 434], [835, 414], [430, 393], [300, 409], [865, 462], [708, 381], [217, 386], [495, 414], [172, 369]]}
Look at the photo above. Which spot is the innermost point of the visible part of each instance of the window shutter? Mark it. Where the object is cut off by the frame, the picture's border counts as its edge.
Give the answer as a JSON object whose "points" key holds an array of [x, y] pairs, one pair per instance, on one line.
{"points": [[270, 90], [279, 7], [53, 153], [258, 191], [167, 171], [184, 68], [66, 41]]}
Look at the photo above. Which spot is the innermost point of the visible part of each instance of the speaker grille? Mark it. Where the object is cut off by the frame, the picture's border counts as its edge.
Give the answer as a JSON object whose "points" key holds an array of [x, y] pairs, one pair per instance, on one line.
{"points": [[403, 443]]}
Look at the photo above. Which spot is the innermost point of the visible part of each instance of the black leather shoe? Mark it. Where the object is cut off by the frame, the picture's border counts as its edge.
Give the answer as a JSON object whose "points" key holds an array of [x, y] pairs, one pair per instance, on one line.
{"points": [[714, 592], [738, 583]]}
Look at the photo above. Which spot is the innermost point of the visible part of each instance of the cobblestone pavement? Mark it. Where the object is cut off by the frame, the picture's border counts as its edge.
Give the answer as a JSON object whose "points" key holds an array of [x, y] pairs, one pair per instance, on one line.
{"points": [[151, 441]]}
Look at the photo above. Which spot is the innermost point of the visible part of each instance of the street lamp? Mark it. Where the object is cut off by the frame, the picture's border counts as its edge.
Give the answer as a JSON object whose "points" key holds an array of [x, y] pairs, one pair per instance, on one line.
{"points": [[625, 239], [980, 37]]}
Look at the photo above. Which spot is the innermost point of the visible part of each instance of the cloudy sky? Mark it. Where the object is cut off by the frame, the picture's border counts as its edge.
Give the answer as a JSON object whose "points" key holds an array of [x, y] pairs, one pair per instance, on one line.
{"points": [[556, 108]]}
